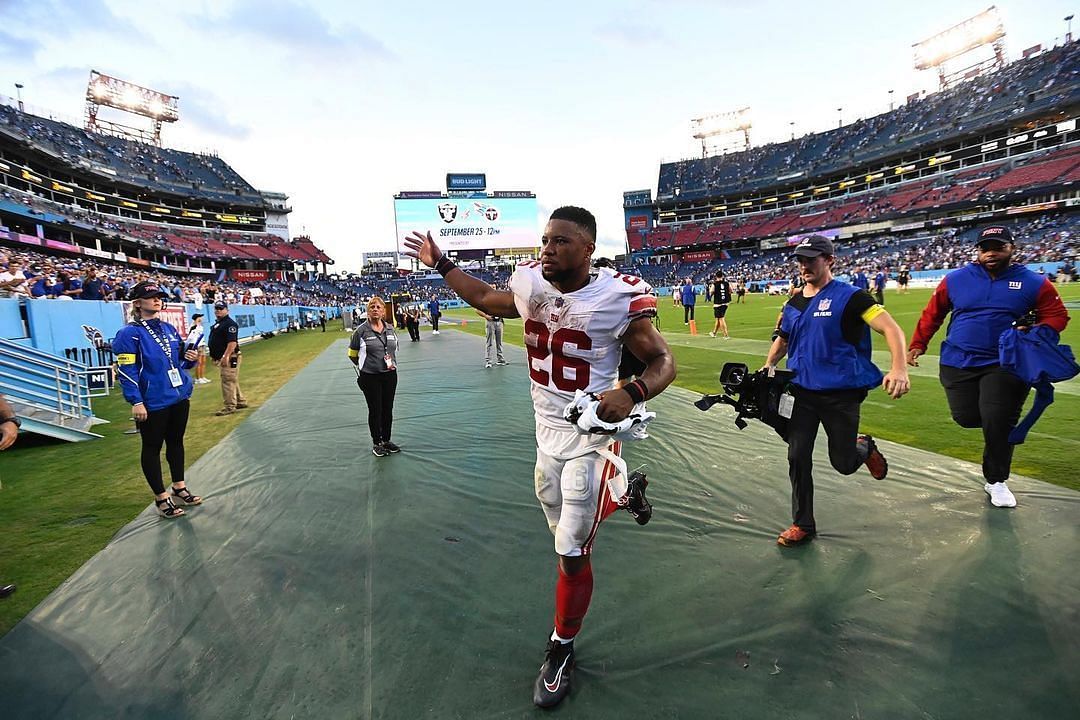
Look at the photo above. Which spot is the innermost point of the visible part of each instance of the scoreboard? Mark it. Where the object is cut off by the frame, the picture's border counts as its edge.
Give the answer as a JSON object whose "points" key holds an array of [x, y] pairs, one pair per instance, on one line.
{"points": [[469, 221]]}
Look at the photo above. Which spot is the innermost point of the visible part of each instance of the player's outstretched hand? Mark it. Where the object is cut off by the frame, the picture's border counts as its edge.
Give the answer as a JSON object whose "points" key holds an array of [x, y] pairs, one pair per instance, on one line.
{"points": [[423, 248]]}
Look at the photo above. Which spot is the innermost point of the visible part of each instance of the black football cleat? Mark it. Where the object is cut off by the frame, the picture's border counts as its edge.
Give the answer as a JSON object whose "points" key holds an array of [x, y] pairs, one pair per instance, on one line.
{"points": [[636, 502], [553, 682]]}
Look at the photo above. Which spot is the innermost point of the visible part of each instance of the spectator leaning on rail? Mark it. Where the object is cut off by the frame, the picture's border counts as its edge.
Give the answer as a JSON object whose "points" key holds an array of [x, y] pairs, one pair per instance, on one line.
{"points": [[151, 357], [986, 297], [823, 331]]}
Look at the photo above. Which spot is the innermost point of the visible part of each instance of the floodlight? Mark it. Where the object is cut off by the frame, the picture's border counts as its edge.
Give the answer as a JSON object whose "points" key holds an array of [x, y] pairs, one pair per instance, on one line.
{"points": [[982, 29], [103, 90]]}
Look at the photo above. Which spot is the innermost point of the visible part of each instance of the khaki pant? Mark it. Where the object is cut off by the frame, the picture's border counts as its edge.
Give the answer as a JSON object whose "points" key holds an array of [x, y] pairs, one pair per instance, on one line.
{"points": [[231, 394]]}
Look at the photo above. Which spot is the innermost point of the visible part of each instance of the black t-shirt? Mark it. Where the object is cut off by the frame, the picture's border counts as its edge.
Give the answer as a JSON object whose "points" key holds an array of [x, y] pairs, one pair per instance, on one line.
{"points": [[721, 292], [851, 322], [223, 332]]}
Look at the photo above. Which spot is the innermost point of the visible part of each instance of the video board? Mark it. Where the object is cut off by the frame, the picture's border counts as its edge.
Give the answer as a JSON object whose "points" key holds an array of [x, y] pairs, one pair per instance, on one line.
{"points": [[473, 222]]}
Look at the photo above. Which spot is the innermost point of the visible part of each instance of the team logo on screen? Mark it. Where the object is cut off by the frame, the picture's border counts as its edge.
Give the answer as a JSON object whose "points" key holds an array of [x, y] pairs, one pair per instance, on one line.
{"points": [[448, 212], [491, 213]]}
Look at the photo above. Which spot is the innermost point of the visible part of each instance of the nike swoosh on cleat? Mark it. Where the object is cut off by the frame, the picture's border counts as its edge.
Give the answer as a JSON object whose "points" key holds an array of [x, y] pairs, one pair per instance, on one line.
{"points": [[552, 687]]}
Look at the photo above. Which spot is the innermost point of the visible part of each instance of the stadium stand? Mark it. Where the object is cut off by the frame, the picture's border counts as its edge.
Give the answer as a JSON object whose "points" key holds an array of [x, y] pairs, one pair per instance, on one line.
{"points": [[1022, 89]]}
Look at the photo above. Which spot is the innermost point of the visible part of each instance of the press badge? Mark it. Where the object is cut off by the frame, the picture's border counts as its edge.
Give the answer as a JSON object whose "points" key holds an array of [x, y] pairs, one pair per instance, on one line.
{"points": [[389, 361], [174, 378], [787, 404]]}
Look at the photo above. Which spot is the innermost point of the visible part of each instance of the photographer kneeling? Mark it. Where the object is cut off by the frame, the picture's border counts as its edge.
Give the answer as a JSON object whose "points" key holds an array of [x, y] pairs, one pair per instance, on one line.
{"points": [[823, 331]]}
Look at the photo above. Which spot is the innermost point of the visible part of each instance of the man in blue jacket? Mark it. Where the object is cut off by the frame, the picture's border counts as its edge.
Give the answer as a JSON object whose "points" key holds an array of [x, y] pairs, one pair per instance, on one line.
{"points": [[986, 298], [688, 296], [825, 332], [434, 312]]}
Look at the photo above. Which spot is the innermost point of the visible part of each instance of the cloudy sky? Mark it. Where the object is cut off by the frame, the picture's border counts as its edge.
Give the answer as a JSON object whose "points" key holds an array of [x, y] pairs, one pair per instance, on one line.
{"points": [[342, 104]]}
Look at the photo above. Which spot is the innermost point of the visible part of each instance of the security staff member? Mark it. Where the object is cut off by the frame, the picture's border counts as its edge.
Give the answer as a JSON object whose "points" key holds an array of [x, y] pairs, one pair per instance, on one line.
{"points": [[985, 298], [824, 333], [721, 297], [225, 352]]}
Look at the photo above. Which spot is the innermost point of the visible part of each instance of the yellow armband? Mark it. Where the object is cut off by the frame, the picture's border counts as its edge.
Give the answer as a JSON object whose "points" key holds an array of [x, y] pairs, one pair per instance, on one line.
{"points": [[354, 353], [872, 312], [125, 359]]}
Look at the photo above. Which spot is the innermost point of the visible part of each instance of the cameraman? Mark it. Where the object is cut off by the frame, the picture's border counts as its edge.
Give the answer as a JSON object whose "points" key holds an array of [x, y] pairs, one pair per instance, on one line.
{"points": [[823, 330]]}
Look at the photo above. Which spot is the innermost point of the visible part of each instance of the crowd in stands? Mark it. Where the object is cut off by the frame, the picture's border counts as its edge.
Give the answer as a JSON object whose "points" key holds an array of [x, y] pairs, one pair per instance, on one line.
{"points": [[1046, 80], [988, 183], [54, 277], [204, 175], [1051, 238]]}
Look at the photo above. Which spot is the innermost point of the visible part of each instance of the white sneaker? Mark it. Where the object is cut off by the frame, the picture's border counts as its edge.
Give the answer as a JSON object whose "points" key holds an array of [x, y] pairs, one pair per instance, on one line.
{"points": [[434, 332], [487, 365], [712, 334], [1000, 495]]}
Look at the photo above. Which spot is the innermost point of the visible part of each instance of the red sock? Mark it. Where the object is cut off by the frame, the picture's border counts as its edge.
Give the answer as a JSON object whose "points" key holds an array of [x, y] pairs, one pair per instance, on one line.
{"points": [[572, 596]]}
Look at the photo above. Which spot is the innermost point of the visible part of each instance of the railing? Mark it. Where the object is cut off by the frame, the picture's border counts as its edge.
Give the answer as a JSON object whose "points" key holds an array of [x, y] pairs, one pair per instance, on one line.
{"points": [[50, 383]]}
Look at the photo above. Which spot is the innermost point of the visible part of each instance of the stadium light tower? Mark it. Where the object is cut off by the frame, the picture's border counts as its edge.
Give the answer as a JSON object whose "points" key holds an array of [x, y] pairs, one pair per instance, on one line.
{"points": [[106, 91], [1068, 29], [839, 117], [725, 126], [18, 92], [979, 31]]}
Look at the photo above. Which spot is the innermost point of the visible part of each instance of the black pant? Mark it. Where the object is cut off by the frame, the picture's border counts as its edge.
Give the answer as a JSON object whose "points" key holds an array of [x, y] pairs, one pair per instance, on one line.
{"points": [[989, 398], [414, 329], [838, 411], [434, 323], [379, 389], [164, 426], [688, 313]]}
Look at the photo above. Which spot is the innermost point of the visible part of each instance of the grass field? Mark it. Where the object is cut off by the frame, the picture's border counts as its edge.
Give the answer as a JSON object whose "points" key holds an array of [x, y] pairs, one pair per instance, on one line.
{"points": [[61, 503]]}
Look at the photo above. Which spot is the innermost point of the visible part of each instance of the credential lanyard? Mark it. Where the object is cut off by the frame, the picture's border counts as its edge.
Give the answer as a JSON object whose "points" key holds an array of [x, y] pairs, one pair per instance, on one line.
{"points": [[165, 346]]}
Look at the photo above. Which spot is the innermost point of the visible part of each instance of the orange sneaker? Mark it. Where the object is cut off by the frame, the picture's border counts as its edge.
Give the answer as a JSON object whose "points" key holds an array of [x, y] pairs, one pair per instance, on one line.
{"points": [[875, 462], [793, 536]]}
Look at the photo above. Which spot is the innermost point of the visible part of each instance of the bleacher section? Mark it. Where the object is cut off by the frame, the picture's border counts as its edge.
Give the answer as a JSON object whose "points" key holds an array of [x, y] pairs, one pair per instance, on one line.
{"points": [[1024, 88], [995, 181], [172, 171]]}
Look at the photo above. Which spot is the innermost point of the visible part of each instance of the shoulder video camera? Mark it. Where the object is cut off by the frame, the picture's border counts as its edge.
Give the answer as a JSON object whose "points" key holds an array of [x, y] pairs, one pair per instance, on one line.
{"points": [[754, 395]]}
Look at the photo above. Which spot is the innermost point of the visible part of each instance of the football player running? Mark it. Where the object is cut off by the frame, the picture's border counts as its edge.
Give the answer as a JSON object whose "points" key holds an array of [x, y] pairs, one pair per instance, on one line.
{"points": [[577, 321]]}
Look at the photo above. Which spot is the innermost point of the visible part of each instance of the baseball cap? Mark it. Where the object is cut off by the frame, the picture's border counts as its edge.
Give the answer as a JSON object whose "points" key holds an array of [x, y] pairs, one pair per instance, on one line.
{"points": [[221, 305], [196, 316], [814, 245], [994, 233], [147, 290]]}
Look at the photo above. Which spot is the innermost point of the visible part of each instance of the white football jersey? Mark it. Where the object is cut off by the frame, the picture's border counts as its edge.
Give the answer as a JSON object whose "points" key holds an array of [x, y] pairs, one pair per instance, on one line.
{"points": [[573, 340]]}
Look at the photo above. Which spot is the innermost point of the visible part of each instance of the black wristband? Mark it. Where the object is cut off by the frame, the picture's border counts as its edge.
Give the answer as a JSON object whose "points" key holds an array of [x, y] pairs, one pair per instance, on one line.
{"points": [[444, 265], [637, 391], [11, 419]]}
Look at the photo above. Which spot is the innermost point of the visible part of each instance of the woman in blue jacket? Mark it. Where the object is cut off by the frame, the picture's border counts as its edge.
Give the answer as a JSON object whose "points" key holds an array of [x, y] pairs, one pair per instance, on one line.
{"points": [[150, 358]]}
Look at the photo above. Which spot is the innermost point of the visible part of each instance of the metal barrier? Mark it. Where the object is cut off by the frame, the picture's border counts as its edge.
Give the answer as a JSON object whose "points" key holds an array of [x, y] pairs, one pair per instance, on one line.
{"points": [[58, 389]]}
